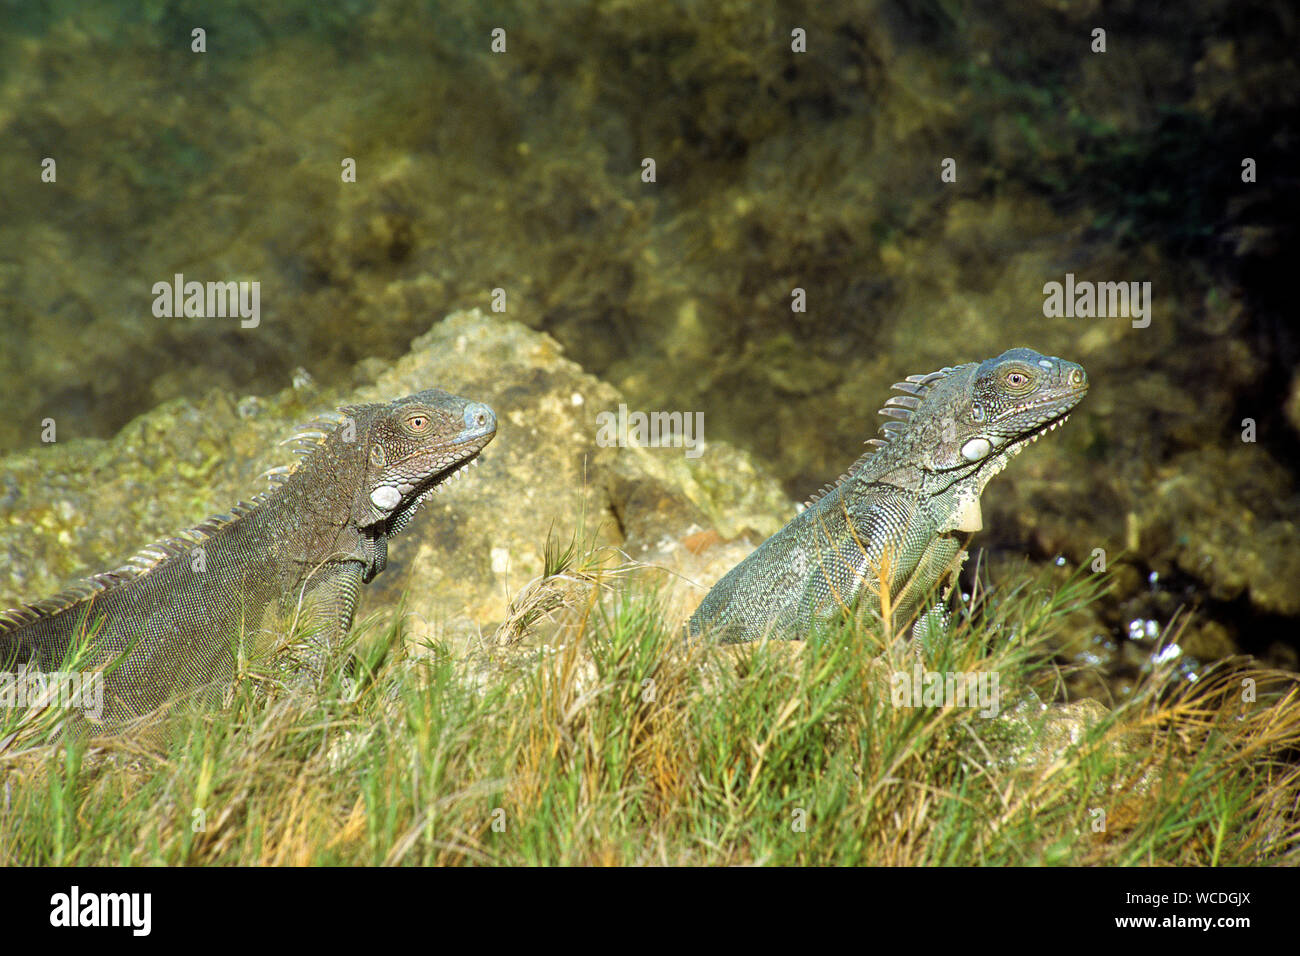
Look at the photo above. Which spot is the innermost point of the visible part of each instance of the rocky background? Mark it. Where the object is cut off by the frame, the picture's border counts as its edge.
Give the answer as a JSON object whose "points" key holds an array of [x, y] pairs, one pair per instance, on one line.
{"points": [[521, 171]]}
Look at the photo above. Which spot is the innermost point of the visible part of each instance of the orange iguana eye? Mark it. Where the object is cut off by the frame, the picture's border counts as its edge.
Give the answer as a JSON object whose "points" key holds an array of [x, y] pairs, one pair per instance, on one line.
{"points": [[418, 423], [1017, 379]]}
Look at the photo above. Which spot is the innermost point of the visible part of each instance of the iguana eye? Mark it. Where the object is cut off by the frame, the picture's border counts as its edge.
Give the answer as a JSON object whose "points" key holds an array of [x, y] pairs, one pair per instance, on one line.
{"points": [[418, 423], [1017, 379]]}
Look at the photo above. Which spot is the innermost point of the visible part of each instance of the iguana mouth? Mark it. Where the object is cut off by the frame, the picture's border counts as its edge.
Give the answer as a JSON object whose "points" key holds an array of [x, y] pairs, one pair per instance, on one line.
{"points": [[419, 490], [1043, 429], [457, 470], [1049, 424], [433, 485]]}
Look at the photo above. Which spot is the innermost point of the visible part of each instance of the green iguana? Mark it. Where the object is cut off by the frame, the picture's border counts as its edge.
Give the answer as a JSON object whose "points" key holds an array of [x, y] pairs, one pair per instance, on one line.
{"points": [[181, 611], [904, 513]]}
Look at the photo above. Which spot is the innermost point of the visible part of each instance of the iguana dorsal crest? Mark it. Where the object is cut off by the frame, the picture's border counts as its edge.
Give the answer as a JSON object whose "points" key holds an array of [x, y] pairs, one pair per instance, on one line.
{"points": [[897, 407]]}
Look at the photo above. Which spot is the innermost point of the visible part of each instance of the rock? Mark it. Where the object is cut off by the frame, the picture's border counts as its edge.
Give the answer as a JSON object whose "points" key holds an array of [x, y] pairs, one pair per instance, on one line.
{"points": [[1031, 735]]}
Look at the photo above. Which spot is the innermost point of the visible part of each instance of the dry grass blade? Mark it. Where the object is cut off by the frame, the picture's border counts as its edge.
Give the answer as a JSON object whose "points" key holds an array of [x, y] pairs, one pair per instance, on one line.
{"points": [[569, 579]]}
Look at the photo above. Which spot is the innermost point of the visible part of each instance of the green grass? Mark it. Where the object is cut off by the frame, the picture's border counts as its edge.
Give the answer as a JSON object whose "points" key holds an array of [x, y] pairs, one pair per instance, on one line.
{"points": [[600, 738]]}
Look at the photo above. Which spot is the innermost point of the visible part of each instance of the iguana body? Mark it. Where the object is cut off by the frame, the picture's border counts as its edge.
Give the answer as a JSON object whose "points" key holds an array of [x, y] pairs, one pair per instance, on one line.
{"points": [[903, 514], [182, 610]]}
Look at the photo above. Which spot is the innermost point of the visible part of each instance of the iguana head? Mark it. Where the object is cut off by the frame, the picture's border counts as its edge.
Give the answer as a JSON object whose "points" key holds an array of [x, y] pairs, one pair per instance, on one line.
{"points": [[964, 424], [412, 446], [1009, 402]]}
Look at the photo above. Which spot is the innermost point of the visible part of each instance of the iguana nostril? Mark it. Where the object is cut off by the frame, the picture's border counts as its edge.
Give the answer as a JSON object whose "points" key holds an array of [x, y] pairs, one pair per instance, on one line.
{"points": [[479, 416]]}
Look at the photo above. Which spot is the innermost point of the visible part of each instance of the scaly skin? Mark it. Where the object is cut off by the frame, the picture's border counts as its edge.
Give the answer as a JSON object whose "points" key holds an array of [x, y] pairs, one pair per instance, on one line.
{"points": [[904, 514], [182, 611]]}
